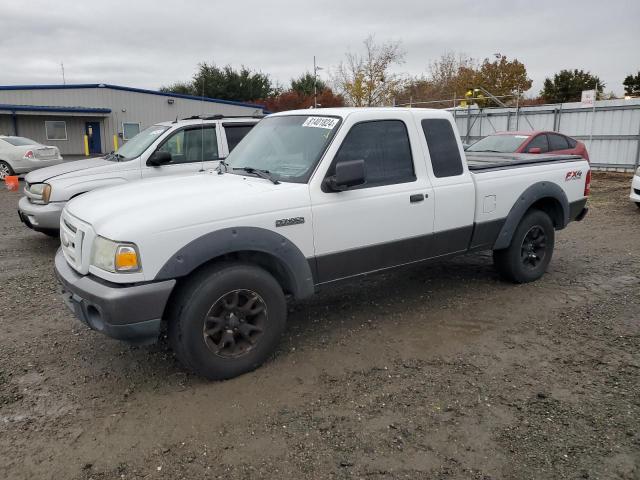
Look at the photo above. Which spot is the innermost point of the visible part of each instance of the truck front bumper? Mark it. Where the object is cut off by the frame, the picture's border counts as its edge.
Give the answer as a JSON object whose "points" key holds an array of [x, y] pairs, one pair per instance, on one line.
{"points": [[132, 313], [40, 217]]}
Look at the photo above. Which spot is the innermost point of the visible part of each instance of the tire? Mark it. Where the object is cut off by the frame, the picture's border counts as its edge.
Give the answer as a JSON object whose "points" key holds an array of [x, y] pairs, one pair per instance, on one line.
{"points": [[240, 302], [5, 170], [527, 257], [638, 205]]}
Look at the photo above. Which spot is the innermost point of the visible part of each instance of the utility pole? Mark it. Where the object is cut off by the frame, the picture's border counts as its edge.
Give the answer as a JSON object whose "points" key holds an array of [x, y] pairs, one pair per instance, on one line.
{"points": [[64, 82], [315, 82]]}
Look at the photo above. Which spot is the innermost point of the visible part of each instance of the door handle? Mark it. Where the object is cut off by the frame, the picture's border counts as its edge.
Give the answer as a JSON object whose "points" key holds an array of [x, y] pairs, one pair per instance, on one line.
{"points": [[418, 197]]}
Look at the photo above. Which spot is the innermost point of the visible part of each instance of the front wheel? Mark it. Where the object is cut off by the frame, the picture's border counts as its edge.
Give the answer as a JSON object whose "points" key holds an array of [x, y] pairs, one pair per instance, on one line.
{"points": [[5, 170], [527, 257], [226, 320]]}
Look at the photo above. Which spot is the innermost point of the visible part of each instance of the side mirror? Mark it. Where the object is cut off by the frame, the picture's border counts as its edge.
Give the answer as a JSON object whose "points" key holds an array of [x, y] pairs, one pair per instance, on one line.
{"points": [[348, 174], [159, 158], [535, 150]]}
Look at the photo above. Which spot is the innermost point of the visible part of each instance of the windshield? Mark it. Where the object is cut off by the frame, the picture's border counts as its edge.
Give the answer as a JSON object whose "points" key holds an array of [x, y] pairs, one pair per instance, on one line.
{"points": [[288, 147], [498, 143], [20, 141], [138, 144]]}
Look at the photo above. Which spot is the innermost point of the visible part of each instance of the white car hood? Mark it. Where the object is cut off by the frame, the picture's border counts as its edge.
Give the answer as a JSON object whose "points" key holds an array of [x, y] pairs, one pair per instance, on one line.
{"points": [[163, 204], [71, 169]]}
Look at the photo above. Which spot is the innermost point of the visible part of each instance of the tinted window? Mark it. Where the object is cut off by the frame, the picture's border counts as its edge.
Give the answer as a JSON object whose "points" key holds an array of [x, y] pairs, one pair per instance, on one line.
{"points": [[557, 142], [384, 146], [192, 145], [443, 147], [572, 142], [235, 133], [539, 141]]}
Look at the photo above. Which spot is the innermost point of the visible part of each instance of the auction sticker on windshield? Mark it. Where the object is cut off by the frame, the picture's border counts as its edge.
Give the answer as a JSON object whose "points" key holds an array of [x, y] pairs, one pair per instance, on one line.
{"points": [[320, 122]]}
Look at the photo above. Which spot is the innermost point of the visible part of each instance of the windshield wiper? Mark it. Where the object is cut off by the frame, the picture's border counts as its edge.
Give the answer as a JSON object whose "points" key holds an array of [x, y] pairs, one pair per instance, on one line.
{"points": [[260, 173], [113, 156]]}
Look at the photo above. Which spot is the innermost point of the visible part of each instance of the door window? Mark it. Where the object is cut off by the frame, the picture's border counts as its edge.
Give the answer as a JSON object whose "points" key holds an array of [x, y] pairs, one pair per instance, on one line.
{"points": [[235, 133], [557, 142], [443, 147], [384, 146], [192, 145], [539, 141]]}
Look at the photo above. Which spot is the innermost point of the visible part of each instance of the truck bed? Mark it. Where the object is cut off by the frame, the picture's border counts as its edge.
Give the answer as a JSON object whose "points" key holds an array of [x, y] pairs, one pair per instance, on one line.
{"points": [[480, 162]]}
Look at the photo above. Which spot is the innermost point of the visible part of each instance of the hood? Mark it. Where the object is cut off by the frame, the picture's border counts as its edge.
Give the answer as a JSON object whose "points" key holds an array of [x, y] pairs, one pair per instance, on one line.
{"points": [[164, 204], [71, 168]]}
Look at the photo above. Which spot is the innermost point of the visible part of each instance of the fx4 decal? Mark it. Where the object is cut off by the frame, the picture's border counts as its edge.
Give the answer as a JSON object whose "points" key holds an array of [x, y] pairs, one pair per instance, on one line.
{"points": [[573, 175], [284, 222]]}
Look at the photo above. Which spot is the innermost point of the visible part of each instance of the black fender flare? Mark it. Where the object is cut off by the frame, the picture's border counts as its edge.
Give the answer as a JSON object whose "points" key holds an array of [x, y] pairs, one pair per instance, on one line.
{"points": [[242, 239], [531, 195]]}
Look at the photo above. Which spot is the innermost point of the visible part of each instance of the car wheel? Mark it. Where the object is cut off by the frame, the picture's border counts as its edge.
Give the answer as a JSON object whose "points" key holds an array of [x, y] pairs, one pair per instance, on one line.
{"points": [[527, 257], [5, 170], [226, 320], [638, 205]]}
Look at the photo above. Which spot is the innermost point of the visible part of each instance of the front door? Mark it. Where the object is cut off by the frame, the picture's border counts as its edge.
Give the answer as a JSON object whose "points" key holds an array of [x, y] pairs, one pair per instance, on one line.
{"points": [[92, 130], [386, 222], [192, 149]]}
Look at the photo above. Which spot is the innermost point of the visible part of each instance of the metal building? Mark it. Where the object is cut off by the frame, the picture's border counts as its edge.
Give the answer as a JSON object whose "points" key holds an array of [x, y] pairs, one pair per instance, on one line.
{"points": [[108, 115]]}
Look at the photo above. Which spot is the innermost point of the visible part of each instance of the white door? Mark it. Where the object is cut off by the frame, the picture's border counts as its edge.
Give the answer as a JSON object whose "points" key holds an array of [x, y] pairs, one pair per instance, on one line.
{"points": [[383, 223], [192, 149]]}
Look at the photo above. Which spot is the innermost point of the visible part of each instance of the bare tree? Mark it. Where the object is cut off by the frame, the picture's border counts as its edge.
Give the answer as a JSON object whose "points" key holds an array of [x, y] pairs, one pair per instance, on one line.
{"points": [[366, 80]]}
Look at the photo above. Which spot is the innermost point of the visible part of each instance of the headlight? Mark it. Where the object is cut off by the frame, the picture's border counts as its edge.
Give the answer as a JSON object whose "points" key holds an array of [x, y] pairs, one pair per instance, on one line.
{"points": [[42, 190], [115, 256]]}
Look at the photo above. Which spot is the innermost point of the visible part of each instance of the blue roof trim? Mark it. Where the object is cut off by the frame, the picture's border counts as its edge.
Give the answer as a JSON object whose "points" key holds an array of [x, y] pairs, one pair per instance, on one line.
{"points": [[129, 89], [51, 108]]}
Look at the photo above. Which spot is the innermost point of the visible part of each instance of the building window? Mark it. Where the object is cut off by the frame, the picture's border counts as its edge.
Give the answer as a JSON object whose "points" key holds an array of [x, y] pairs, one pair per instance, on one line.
{"points": [[56, 130], [130, 130]]}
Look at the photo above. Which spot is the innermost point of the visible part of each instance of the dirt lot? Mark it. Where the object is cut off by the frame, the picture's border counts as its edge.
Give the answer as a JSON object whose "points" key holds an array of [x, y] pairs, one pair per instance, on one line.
{"points": [[433, 372]]}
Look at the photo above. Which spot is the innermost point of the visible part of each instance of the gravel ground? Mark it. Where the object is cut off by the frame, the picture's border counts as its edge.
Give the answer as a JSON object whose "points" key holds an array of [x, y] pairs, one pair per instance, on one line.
{"points": [[437, 372]]}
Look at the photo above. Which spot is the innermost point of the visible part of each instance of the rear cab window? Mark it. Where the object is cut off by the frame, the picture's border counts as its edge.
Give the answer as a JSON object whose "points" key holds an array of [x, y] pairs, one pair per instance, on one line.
{"points": [[236, 132], [443, 147]]}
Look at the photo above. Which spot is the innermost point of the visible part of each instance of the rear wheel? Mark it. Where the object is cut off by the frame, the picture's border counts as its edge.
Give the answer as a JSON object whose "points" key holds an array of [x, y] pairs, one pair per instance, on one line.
{"points": [[5, 170], [638, 205], [227, 320], [527, 257]]}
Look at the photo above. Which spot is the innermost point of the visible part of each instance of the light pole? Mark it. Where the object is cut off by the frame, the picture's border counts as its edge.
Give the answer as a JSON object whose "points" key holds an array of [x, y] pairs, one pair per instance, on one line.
{"points": [[315, 82]]}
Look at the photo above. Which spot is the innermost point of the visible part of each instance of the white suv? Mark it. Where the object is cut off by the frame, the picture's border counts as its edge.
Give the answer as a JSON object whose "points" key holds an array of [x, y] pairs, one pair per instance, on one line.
{"points": [[169, 148]]}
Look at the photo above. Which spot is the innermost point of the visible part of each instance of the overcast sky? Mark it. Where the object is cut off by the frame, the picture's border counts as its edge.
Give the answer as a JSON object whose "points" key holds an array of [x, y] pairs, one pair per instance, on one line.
{"points": [[144, 43]]}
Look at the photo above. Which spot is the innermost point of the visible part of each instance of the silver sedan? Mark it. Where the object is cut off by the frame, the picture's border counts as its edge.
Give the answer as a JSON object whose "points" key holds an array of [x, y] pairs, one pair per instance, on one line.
{"points": [[20, 155]]}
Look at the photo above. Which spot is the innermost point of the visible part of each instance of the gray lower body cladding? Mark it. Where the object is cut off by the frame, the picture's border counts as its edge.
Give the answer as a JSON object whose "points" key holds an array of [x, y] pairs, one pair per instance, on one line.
{"points": [[132, 313]]}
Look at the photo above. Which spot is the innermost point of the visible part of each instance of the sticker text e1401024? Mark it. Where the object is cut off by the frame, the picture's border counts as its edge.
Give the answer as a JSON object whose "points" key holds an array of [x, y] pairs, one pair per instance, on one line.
{"points": [[320, 122]]}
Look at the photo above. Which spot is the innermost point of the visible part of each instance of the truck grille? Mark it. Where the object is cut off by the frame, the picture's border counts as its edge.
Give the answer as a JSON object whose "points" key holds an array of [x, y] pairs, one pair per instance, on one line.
{"points": [[71, 238]]}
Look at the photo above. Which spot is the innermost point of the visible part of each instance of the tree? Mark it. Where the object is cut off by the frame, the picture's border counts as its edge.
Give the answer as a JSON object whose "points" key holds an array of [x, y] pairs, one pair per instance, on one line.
{"points": [[226, 83], [304, 84], [567, 86], [453, 75], [366, 80], [632, 85], [292, 100], [503, 78]]}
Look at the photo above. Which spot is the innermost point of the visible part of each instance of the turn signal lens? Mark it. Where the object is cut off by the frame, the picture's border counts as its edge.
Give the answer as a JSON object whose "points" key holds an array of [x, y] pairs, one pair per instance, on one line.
{"points": [[46, 193], [28, 154], [587, 184], [126, 259]]}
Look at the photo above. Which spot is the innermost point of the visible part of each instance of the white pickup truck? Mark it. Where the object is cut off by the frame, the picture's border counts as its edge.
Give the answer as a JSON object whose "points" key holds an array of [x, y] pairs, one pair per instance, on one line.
{"points": [[307, 199], [169, 148]]}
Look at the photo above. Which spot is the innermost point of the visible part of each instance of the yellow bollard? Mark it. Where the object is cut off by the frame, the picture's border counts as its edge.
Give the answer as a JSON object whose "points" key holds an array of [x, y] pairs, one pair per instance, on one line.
{"points": [[86, 145], [115, 143]]}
